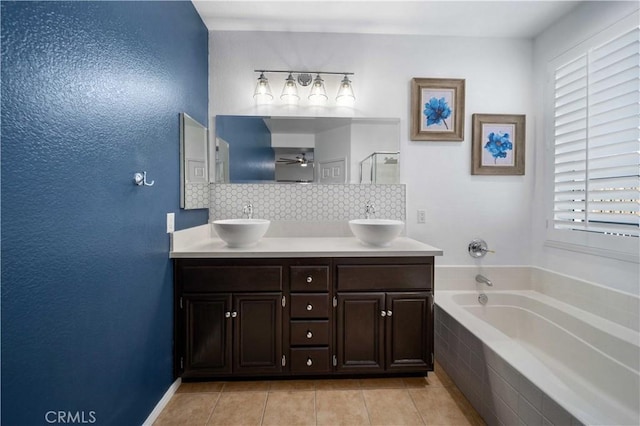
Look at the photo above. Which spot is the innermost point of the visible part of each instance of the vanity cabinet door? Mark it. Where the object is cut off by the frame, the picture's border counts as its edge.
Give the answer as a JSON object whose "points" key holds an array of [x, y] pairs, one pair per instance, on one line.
{"points": [[208, 335], [408, 331], [257, 322], [360, 332]]}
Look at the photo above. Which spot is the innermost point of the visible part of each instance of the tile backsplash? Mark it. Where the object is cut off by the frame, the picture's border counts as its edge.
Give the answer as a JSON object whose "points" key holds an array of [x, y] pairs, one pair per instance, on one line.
{"points": [[306, 202], [196, 195]]}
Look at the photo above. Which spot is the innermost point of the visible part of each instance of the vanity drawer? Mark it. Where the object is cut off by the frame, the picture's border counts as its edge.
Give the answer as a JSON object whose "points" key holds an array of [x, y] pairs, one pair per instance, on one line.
{"points": [[310, 360], [384, 277], [309, 333], [309, 305], [310, 278], [228, 278]]}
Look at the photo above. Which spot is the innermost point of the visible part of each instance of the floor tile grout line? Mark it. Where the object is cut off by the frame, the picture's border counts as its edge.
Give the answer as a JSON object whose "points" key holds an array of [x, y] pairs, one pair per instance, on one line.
{"points": [[264, 407], [315, 404], [213, 408], [424, 422], [366, 407]]}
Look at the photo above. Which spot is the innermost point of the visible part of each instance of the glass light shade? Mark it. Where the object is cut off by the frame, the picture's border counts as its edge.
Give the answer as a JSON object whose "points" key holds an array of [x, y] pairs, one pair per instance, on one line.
{"points": [[263, 93], [290, 91], [345, 93], [318, 93]]}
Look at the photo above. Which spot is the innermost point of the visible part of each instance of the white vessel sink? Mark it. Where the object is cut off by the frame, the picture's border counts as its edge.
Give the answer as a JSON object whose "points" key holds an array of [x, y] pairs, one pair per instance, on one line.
{"points": [[376, 232], [241, 232]]}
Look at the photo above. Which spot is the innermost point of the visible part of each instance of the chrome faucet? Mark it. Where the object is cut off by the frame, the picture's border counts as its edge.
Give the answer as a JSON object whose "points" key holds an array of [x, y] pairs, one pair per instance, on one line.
{"points": [[483, 280], [369, 209], [248, 211]]}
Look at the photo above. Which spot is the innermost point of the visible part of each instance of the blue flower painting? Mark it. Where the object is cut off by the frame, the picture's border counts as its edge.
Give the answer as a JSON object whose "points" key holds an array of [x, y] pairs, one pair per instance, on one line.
{"points": [[436, 110], [498, 145]]}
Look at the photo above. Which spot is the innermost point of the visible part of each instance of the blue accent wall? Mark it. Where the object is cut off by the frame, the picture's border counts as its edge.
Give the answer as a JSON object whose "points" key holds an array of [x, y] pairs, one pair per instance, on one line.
{"points": [[91, 93], [251, 157]]}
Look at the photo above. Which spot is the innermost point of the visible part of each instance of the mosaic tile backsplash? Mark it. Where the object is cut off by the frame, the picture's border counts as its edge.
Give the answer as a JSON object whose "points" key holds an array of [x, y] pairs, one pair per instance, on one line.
{"points": [[196, 195], [300, 202]]}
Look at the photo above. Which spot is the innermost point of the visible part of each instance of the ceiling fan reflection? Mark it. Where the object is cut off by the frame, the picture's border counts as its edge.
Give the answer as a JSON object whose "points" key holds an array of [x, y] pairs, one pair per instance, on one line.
{"points": [[300, 159]]}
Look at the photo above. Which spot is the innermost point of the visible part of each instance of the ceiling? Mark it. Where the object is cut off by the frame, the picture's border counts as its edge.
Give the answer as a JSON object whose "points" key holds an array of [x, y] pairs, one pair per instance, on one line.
{"points": [[520, 19]]}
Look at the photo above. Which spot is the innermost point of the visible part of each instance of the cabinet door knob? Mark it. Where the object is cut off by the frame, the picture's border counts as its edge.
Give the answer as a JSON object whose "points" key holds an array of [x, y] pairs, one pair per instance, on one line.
{"points": [[309, 307], [309, 278], [389, 313], [227, 314], [309, 334], [383, 313], [309, 362], [234, 314]]}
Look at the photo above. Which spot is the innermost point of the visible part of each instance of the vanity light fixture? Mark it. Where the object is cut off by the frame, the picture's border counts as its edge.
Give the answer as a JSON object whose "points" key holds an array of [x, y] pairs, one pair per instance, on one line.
{"points": [[290, 91], [263, 94], [345, 93], [317, 94]]}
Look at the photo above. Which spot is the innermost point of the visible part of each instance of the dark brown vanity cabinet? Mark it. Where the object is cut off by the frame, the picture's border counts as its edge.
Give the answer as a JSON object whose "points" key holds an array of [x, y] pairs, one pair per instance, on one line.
{"points": [[310, 325], [229, 318], [313, 317], [389, 330]]}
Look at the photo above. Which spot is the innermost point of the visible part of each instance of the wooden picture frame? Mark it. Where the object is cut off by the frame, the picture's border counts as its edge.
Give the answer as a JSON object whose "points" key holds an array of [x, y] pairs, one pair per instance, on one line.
{"points": [[498, 144], [437, 109]]}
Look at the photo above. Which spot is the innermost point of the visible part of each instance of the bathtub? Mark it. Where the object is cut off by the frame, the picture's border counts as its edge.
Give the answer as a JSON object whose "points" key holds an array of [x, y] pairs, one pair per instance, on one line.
{"points": [[525, 357]]}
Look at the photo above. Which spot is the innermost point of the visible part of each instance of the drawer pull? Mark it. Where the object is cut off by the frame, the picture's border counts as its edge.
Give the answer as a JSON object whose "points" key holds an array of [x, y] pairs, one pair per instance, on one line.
{"points": [[309, 334], [383, 313], [309, 362], [309, 279], [309, 307], [389, 313]]}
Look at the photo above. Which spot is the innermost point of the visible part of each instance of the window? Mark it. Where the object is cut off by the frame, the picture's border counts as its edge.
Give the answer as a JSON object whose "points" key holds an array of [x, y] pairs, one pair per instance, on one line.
{"points": [[596, 144]]}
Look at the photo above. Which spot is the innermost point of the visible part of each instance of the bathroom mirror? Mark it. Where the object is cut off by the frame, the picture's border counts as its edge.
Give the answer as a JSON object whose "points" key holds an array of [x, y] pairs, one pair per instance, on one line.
{"points": [[194, 170], [269, 149]]}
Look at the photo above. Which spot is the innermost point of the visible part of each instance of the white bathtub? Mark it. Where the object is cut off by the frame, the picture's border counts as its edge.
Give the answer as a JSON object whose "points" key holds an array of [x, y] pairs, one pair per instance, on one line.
{"points": [[588, 365]]}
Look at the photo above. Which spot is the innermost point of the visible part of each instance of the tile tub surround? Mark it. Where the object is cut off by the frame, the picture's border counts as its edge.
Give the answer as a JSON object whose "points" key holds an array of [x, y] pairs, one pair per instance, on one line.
{"points": [[433, 400], [494, 388], [499, 392], [307, 202]]}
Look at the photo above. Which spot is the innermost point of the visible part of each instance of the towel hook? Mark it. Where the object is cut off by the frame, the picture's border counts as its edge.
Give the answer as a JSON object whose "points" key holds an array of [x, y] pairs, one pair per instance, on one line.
{"points": [[141, 179]]}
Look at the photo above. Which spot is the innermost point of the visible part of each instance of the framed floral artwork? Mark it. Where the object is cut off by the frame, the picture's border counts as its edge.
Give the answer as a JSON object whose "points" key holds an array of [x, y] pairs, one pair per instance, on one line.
{"points": [[498, 144], [437, 109]]}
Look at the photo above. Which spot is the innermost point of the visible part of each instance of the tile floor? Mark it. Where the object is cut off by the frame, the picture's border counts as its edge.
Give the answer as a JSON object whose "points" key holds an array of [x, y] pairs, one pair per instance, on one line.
{"points": [[390, 401]]}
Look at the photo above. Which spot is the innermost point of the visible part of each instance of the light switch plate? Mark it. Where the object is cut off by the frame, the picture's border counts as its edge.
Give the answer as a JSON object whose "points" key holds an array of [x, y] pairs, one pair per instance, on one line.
{"points": [[171, 222]]}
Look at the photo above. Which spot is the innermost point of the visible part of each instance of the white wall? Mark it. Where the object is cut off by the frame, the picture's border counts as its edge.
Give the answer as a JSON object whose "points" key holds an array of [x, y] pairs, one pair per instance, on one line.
{"points": [[586, 20], [459, 206], [333, 144], [292, 140]]}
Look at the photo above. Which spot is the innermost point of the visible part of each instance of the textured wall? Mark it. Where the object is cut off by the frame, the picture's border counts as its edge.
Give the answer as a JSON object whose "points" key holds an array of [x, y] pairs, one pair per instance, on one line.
{"points": [[91, 93], [251, 157]]}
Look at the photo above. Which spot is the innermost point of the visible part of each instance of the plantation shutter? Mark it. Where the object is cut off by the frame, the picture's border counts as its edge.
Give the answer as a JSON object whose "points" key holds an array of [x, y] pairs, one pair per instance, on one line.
{"points": [[597, 139]]}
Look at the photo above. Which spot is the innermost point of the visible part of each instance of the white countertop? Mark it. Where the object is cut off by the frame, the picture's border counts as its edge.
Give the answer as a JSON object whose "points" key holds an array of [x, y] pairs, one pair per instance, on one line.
{"points": [[198, 245]]}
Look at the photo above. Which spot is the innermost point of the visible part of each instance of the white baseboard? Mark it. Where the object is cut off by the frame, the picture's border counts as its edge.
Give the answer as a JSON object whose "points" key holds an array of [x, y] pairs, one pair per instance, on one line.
{"points": [[162, 403]]}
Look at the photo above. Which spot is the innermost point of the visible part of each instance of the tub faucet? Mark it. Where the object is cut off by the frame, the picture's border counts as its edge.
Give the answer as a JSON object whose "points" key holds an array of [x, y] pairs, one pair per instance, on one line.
{"points": [[484, 280], [248, 211], [369, 209]]}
